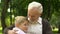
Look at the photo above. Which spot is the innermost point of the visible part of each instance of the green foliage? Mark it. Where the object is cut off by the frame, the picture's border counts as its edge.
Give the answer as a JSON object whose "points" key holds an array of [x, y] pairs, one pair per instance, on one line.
{"points": [[0, 30], [51, 10]]}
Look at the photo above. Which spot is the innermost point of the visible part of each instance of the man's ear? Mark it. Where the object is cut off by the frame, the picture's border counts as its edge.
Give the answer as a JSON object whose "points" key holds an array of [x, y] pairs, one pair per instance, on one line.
{"points": [[40, 14]]}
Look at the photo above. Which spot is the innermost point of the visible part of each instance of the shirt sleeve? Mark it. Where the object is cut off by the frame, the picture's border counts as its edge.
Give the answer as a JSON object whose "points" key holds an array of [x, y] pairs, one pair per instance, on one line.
{"points": [[8, 28], [47, 28]]}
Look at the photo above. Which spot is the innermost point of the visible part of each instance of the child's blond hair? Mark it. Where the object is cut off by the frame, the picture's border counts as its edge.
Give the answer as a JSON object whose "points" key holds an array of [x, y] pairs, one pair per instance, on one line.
{"points": [[20, 19]]}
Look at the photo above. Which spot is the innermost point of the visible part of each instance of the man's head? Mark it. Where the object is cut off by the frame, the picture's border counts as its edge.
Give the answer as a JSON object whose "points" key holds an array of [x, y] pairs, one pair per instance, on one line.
{"points": [[35, 10]]}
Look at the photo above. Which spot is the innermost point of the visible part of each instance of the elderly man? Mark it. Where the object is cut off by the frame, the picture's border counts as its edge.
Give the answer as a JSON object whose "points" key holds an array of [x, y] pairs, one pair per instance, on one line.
{"points": [[37, 24]]}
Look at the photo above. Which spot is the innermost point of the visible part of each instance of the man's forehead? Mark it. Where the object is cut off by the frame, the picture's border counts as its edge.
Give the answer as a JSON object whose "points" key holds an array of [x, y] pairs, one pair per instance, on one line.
{"points": [[33, 12], [34, 8]]}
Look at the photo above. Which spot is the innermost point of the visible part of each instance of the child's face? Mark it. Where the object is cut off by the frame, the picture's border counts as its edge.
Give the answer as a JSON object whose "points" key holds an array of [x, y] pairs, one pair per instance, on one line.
{"points": [[24, 26]]}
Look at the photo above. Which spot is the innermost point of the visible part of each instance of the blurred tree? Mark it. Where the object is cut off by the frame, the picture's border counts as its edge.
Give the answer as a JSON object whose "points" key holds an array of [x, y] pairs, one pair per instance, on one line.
{"points": [[3, 12], [55, 18]]}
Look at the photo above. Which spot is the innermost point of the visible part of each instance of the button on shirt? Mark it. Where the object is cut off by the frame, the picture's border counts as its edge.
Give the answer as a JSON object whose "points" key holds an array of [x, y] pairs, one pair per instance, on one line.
{"points": [[36, 28]]}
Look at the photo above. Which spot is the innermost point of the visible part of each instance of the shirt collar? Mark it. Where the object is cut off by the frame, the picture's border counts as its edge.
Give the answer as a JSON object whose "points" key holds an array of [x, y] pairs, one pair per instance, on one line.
{"points": [[39, 20]]}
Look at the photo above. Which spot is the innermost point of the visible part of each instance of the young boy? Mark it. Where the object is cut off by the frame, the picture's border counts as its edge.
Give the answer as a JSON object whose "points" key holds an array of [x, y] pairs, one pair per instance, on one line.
{"points": [[21, 25]]}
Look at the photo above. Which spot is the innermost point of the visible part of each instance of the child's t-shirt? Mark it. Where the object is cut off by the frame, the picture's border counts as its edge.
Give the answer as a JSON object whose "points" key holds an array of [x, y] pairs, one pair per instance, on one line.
{"points": [[18, 31]]}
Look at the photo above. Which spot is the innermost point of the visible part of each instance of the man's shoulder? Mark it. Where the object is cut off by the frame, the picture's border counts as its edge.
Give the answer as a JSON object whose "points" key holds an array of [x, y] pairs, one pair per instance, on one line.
{"points": [[45, 21], [11, 27]]}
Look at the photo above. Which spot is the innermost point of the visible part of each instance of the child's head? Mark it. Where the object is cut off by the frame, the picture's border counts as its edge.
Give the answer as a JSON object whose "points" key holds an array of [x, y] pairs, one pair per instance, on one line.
{"points": [[22, 23]]}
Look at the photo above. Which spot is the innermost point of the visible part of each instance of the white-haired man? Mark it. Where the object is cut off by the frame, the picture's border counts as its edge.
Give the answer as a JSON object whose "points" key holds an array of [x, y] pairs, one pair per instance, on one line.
{"points": [[37, 24]]}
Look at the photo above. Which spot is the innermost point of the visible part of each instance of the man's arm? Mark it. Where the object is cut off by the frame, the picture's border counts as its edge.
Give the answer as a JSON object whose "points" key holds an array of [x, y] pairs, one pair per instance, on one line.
{"points": [[46, 27], [8, 29]]}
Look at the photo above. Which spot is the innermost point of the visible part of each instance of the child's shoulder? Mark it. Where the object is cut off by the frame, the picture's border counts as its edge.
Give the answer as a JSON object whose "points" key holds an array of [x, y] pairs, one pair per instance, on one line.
{"points": [[19, 31]]}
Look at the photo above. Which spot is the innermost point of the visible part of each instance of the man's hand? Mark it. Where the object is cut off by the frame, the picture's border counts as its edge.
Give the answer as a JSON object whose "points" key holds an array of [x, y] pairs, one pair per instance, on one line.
{"points": [[12, 32]]}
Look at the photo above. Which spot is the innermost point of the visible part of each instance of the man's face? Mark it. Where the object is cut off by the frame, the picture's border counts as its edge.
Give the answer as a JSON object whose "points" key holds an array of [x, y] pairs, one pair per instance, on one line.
{"points": [[33, 14]]}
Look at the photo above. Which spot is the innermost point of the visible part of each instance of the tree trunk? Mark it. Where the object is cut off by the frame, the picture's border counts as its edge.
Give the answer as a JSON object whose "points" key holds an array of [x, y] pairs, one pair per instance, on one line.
{"points": [[3, 13], [10, 14]]}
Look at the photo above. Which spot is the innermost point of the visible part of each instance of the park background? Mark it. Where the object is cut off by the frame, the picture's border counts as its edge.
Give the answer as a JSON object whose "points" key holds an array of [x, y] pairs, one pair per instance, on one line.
{"points": [[9, 9]]}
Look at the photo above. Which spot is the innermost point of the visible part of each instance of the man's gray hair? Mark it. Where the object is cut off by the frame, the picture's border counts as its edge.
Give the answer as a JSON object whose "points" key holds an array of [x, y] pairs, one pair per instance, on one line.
{"points": [[37, 5]]}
